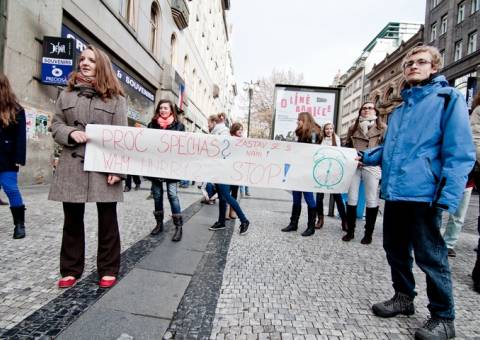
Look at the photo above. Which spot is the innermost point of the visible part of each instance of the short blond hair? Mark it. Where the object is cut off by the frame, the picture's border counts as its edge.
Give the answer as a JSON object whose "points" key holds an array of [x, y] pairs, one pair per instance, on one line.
{"points": [[213, 118], [434, 53]]}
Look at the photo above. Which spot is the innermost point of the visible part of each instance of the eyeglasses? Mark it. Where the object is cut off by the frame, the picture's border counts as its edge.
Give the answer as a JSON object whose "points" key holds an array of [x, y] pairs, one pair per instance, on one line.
{"points": [[368, 108], [419, 62]]}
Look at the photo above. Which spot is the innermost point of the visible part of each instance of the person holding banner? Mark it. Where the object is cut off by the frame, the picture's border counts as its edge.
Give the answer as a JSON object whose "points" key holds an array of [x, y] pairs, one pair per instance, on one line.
{"points": [[166, 118], [93, 96], [13, 149], [236, 130], [217, 124], [366, 132], [329, 138], [306, 132]]}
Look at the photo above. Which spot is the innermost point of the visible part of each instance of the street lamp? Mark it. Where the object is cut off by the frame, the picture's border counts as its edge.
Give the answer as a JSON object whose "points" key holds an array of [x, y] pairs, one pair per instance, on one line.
{"points": [[250, 87]]}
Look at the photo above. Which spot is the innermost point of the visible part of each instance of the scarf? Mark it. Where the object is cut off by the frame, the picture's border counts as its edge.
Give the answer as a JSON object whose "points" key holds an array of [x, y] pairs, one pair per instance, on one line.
{"points": [[85, 85], [165, 122], [366, 123]]}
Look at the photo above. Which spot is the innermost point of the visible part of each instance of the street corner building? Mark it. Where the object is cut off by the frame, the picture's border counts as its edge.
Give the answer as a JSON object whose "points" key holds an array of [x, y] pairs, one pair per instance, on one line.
{"points": [[178, 50]]}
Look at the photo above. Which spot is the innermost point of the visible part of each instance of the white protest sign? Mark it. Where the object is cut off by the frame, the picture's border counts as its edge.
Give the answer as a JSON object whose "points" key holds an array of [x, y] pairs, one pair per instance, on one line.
{"points": [[219, 159]]}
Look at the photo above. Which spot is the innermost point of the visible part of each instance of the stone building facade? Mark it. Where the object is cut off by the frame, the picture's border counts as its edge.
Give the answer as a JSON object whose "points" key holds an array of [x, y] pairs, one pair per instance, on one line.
{"points": [[354, 82], [386, 78], [453, 26], [158, 47]]}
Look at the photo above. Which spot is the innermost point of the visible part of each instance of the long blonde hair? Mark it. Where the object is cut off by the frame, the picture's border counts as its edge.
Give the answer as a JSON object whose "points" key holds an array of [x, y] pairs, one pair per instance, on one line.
{"points": [[8, 102], [106, 82]]}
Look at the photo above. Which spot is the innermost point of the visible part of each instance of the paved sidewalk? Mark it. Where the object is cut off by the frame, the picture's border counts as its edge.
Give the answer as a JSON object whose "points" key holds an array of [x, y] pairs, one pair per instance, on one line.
{"points": [[30, 266], [220, 285], [284, 286]]}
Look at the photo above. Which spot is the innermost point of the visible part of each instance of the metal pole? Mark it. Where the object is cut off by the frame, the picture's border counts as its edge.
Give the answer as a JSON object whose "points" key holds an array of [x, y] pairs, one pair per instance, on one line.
{"points": [[250, 90]]}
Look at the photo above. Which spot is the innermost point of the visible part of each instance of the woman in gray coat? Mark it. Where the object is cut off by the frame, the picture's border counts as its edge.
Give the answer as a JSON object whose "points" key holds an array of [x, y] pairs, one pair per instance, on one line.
{"points": [[93, 96]]}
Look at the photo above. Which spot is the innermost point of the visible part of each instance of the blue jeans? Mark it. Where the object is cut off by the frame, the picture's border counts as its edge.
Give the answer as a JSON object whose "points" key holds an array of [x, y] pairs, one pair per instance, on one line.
{"points": [[9, 183], [210, 189], [226, 197], [297, 198], [157, 193], [415, 226]]}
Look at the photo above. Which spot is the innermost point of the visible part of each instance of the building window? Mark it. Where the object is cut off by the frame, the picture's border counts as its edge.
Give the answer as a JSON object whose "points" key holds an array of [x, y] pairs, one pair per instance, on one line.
{"points": [[460, 12], [472, 42], [433, 32], [458, 51], [173, 51], [444, 24], [475, 6], [128, 10], [442, 55], [154, 15], [434, 3]]}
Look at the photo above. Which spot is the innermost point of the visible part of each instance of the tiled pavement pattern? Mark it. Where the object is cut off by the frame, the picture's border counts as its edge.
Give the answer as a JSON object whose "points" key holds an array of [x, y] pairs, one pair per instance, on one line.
{"points": [[285, 286], [29, 267]]}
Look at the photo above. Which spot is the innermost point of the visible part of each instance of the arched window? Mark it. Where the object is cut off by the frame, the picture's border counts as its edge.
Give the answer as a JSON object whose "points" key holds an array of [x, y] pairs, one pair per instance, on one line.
{"points": [[128, 10], [173, 51], [154, 27], [389, 94], [377, 100]]}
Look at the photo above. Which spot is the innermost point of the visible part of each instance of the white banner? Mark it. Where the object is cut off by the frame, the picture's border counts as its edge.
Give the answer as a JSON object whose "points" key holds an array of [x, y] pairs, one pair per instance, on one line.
{"points": [[219, 159]]}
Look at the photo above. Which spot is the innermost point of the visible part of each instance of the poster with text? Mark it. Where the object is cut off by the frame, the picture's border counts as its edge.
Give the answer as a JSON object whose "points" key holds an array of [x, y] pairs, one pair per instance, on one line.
{"points": [[290, 100]]}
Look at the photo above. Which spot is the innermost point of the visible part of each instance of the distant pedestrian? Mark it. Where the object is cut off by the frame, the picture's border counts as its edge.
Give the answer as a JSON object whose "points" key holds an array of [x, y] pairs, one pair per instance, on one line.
{"points": [[13, 149], [306, 132], [128, 183], [329, 138], [217, 126], [452, 229], [426, 157], [93, 95], [475, 123], [166, 118], [236, 130], [367, 132]]}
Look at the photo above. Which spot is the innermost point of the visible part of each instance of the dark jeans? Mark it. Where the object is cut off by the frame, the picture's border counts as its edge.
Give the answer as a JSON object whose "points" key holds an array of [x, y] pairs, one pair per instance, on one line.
{"points": [[157, 193], [297, 198], [72, 254], [415, 226], [338, 200], [234, 191], [136, 180], [476, 268], [224, 198]]}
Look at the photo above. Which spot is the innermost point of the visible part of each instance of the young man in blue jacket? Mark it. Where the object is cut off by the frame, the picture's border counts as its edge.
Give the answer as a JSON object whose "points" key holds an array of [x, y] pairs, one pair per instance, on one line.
{"points": [[426, 157]]}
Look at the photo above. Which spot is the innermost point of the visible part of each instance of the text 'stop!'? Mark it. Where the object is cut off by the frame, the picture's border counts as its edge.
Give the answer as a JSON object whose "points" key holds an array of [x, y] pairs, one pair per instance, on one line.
{"points": [[219, 159]]}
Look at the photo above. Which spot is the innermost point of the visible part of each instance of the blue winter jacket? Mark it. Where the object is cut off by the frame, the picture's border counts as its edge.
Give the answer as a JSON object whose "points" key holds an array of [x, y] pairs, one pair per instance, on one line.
{"points": [[428, 149]]}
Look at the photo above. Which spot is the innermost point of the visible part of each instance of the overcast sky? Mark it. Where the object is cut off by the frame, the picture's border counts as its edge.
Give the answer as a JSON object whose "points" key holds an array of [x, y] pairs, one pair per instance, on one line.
{"points": [[313, 37]]}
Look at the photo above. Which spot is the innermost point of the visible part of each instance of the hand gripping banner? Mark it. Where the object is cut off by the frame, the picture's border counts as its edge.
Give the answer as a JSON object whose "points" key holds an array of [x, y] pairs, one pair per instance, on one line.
{"points": [[219, 159]]}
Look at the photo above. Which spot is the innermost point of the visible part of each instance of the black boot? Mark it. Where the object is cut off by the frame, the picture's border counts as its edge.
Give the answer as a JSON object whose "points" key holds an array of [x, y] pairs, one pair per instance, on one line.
{"points": [[178, 222], [351, 220], [18, 214], [312, 213], [159, 227], [370, 219], [293, 226]]}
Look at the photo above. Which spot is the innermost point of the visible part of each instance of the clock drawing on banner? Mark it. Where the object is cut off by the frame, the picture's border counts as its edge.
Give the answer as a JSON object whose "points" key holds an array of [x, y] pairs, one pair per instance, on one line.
{"points": [[328, 168]]}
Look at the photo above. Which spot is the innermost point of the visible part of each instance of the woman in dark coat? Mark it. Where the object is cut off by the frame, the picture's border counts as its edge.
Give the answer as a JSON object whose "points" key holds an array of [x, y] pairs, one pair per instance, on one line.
{"points": [[93, 96], [166, 118], [12, 152]]}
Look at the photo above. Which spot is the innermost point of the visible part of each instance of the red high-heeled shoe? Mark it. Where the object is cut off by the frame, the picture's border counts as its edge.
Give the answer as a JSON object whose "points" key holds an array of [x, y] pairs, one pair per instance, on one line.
{"points": [[67, 283], [107, 283]]}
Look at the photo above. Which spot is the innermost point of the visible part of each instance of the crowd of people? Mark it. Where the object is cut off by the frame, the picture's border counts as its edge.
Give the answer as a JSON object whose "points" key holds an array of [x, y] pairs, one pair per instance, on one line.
{"points": [[422, 160]]}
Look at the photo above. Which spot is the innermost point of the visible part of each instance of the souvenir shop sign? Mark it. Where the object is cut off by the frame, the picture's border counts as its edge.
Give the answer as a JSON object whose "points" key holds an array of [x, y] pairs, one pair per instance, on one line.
{"points": [[219, 159], [57, 60]]}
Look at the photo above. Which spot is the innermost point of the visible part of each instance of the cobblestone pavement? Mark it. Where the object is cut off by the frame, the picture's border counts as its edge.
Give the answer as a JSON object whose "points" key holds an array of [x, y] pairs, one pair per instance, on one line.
{"points": [[29, 267], [284, 286]]}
